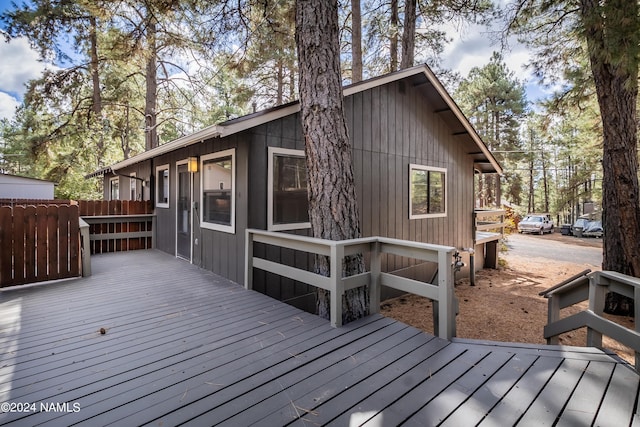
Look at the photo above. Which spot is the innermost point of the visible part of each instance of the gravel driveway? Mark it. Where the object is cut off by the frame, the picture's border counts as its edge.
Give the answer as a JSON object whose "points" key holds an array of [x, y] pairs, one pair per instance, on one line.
{"points": [[557, 247]]}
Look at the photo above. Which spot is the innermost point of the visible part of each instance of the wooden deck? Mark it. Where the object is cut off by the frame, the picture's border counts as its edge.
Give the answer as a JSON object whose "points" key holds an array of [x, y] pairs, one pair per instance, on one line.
{"points": [[183, 346]]}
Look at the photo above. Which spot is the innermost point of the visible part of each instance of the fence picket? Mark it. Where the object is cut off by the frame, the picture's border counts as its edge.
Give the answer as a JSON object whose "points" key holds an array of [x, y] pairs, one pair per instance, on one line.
{"points": [[63, 241], [6, 224], [53, 267], [18, 245], [30, 243], [41, 243]]}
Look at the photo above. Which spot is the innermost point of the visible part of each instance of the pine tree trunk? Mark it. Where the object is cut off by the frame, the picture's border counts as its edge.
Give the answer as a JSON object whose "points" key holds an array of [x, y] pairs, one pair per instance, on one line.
{"points": [[611, 30], [408, 34], [333, 209], [356, 41], [393, 37], [150, 114]]}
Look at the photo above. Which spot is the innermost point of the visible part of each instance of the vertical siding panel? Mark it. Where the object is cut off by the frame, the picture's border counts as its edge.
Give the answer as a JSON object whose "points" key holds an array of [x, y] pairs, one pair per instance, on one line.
{"points": [[384, 120], [357, 121], [384, 194], [361, 185], [367, 208], [377, 128], [376, 205], [367, 122], [242, 205], [392, 122], [257, 185]]}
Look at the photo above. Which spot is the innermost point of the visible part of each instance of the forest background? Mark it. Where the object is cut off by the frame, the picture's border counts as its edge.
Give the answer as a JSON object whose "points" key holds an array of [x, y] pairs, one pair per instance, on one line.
{"points": [[128, 75]]}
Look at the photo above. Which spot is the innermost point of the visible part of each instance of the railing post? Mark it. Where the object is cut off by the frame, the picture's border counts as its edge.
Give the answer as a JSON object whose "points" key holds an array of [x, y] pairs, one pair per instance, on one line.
{"points": [[446, 310], [553, 315], [597, 296], [337, 288], [248, 260], [85, 248], [153, 232], [374, 286]]}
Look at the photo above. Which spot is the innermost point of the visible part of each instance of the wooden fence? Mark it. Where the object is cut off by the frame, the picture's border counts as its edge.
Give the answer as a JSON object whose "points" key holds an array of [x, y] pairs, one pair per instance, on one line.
{"points": [[38, 243], [118, 225]]}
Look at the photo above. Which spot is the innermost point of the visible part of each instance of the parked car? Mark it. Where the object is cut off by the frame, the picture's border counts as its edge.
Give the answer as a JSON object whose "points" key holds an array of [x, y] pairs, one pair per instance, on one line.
{"points": [[587, 228], [536, 224]]}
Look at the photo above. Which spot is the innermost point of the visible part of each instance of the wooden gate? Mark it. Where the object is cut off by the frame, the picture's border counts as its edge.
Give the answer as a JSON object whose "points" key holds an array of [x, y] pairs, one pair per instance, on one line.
{"points": [[38, 243]]}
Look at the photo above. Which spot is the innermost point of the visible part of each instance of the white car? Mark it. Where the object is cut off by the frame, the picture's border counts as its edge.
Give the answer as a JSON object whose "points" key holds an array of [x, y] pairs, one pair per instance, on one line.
{"points": [[535, 224]]}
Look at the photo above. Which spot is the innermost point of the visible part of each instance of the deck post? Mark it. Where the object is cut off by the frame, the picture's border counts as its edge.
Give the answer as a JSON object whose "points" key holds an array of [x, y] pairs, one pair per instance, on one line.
{"points": [[446, 310], [374, 286], [85, 248], [154, 232], [337, 287], [248, 260], [597, 296], [553, 315]]}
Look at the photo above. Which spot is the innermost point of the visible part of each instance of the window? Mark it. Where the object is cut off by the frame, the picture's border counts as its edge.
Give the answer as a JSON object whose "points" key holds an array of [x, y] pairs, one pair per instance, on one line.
{"points": [[288, 206], [218, 191], [427, 192], [114, 188], [162, 186], [133, 188]]}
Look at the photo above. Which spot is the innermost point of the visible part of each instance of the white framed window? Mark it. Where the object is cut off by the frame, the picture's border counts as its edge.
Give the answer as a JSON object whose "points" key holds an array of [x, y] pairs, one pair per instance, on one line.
{"points": [[114, 188], [427, 192], [287, 202], [162, 186], [218, 198], [133, 186]]}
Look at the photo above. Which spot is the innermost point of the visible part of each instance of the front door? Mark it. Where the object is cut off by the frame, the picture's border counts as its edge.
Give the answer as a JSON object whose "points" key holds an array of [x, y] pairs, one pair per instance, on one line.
{"points": [[183, 214]]}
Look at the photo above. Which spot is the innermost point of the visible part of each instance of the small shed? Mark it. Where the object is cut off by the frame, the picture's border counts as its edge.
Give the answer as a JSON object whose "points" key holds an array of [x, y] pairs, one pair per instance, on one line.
{"points": [[22, 187]]}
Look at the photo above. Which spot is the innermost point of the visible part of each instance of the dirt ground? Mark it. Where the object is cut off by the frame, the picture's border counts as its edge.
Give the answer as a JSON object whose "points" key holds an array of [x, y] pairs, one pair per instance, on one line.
{"points": [[504, 305]]}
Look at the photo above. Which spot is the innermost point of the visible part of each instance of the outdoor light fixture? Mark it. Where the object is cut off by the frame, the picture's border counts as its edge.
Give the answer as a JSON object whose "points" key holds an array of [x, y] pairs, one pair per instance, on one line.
{"points": [[192, 164]]}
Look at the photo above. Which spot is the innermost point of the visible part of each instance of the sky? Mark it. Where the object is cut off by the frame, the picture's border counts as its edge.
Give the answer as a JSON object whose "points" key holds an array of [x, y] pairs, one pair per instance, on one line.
{"points": [[470, 47]]}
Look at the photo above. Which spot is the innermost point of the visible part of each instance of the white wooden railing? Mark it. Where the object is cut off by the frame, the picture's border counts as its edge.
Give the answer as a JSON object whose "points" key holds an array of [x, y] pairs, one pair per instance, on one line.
{"points": [[594, 287], [442, 294]]}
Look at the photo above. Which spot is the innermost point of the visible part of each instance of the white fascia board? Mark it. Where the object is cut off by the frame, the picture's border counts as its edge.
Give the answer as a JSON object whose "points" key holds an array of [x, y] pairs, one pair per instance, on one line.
{"points": [[194, 138], [240, 125]]}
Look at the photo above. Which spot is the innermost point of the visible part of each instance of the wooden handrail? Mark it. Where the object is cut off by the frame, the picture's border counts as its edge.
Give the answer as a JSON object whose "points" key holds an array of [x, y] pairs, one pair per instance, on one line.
{"points": [[480, 225], [442, 294], [110, 233], [593, 287]]}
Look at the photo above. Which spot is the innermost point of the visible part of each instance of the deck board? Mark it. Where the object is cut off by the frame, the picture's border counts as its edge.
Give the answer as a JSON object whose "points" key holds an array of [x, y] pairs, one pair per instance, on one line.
{"points": [[186, 346]]}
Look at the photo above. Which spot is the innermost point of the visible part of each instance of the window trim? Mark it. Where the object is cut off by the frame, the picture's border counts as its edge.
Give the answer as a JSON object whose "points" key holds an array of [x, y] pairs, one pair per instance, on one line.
{"points": [[413, 167], [273, 151], [111, 181], [158, 183], [219, 227]]}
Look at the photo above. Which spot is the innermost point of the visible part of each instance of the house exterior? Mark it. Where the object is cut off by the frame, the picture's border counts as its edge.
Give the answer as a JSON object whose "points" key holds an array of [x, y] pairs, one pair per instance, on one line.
{"points": [[20, 187], [415, 156]]}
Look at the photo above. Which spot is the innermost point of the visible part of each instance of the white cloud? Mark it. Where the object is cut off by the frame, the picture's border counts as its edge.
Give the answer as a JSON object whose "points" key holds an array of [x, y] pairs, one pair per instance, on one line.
{"points": [[474, 45], [8, 105], [19, 65]]}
